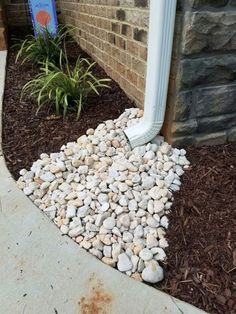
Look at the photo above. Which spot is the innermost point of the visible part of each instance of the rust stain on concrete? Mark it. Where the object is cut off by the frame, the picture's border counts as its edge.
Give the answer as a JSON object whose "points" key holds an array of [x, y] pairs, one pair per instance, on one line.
{"points": [[98, 300]]}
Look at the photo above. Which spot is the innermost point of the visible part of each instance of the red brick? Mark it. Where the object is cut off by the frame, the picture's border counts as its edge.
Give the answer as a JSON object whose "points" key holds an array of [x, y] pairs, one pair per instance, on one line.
{"points": [[138, 66], [132, 77], [143, 52], [132, 48], [3, 42]]}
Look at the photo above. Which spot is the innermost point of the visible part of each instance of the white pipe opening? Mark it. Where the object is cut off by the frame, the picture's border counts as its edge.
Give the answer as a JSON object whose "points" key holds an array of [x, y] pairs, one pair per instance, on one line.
{"points": [[160, 41]]}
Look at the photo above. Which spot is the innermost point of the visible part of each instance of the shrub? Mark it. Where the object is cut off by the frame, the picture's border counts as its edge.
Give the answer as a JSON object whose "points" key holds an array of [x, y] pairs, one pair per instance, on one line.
{"points": [[43, 47], [64, 87]]}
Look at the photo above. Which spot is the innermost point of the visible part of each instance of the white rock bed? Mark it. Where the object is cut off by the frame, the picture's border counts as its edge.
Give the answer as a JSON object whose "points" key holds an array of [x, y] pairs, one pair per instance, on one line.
{"points": [[111, 200]]}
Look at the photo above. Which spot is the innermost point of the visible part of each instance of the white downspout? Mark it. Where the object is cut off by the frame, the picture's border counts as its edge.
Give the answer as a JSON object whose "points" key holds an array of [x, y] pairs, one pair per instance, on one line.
{"points": [[160, 41]]}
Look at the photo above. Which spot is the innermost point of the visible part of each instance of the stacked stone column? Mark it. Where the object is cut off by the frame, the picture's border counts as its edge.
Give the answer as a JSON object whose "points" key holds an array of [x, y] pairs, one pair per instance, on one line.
{"points": [[202, 96]]}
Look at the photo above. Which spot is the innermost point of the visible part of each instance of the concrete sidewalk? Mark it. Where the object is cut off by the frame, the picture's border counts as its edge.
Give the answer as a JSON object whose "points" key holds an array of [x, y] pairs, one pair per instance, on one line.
{"points": [[43, 272]]}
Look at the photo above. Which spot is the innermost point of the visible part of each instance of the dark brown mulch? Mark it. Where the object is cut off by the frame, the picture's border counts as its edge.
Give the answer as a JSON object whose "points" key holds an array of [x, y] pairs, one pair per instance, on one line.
{"points": [[26, 136], [202, 255], [201, 265]]}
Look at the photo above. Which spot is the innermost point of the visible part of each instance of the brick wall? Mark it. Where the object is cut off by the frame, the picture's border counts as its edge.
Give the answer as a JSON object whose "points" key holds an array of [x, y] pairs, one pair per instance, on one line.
{"points": [[17, 12], [201, 106], [3, 39], [114, 32], [202, 102]]}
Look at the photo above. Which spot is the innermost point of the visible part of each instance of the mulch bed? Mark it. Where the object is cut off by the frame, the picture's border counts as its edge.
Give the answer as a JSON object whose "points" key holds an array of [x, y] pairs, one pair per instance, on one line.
{"points": [[202, 235], [201, 266], [26, 136]]}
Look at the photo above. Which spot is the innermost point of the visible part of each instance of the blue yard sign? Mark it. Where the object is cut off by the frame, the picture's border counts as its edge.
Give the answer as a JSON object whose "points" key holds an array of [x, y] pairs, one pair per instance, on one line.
{"points": [[43, 13]]}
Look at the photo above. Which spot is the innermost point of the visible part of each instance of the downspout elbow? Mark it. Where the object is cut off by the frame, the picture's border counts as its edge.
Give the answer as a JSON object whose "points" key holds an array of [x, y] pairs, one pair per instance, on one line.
{"points": [[143, 132], [160, 40]]}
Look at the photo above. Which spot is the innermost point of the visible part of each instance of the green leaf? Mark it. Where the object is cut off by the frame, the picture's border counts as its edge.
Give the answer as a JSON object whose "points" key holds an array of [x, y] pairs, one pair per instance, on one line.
{"points": [[63, 87]]}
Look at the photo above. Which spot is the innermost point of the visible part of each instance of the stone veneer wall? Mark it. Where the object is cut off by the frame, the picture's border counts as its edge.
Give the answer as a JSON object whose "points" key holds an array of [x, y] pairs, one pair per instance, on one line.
{"points": [[202, 98]]}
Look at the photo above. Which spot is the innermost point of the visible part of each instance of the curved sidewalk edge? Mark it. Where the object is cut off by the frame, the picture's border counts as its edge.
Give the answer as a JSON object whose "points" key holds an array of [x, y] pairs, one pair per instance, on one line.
{"points": [[42, 271]]}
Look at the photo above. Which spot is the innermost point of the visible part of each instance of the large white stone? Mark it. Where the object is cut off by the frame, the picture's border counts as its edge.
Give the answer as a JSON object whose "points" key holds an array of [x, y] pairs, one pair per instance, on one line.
{"points": [[134, 260], [158, 206], [27, 190], [123, 201], [165, 148], [159, 254], [136, 178], [153, 223], [77, 231], [168, 165], [127, 237], [138, 232], [164, 222], [154, 193], [125, 220], [70, 211], [104, 207], [123, 187], [148, 183], [145, 254], [83, 211], [163, 243], [48, 176], [153, 273], [109, 223], [102, 197], [124, 263], [83, 169], [149, 155], [151, 241], [133, 205]]}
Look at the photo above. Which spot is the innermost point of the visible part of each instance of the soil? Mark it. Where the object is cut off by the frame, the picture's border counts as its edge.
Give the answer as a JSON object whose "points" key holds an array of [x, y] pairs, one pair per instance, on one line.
{"points": [[201, 266]]}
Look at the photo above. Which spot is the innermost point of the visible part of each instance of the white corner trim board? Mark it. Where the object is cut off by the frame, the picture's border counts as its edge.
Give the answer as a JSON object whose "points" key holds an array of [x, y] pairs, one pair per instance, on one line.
{"points": [[160, 41]]}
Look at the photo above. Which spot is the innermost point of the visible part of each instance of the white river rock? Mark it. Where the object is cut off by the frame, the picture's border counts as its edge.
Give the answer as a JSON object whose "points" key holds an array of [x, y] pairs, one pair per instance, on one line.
{"points": [[111, 199], [153, 273], [124, 263]]}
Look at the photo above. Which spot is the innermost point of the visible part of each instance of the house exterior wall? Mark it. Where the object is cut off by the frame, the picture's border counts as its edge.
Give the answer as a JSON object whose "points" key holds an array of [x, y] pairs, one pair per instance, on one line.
{"points": [[201, 107], [17, 13], [3, 33], [114, 32]]}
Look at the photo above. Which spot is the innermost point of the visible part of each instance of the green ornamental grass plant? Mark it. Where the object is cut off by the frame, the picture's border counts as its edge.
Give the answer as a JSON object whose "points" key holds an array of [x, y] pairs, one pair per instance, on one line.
{"points": [[64, 87], [44, 47]]}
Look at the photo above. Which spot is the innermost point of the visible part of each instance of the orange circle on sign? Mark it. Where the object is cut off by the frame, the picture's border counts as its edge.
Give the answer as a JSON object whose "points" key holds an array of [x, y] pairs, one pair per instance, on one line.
{"points": [[43, 18]]}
